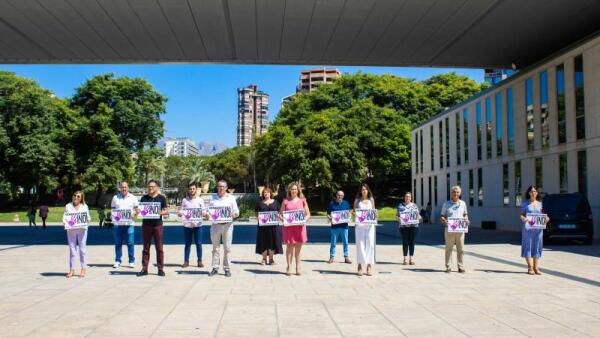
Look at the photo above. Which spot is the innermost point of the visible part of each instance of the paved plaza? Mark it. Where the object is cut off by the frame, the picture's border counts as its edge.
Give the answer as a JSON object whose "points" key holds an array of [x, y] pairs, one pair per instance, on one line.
{"points": [[494, 298]]}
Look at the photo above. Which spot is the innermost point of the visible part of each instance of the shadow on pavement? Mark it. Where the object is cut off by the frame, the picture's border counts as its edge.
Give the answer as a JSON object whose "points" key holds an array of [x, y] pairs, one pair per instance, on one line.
{"points": [[53, 274], [265, 272], [424, 270], [501, 271], [191, 272], [123, 273], [335, 272]]}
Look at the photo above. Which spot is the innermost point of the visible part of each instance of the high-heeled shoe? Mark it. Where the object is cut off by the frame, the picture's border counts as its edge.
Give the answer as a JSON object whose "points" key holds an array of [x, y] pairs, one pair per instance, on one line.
{"points": [[537, 271], [70, 273], [82, 273]]}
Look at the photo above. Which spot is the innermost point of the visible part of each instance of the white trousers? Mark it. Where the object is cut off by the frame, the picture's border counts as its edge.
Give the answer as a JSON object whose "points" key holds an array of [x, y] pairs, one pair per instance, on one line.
{"points": [[365, 244], [221, 232]]}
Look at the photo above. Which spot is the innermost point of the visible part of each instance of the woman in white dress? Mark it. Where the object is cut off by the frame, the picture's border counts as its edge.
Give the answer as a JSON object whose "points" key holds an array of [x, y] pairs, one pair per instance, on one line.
{"points": [[365, 234]]}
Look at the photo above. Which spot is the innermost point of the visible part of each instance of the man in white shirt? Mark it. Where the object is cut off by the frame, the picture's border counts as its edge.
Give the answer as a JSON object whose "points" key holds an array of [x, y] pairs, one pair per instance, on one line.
{"points": [[192, 230], [124, 233], [222, 231], [454, 208]]}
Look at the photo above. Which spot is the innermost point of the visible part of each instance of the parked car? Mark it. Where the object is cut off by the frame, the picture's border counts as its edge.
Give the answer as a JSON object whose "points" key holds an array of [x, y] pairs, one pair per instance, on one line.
{"points": [[570, 217]]}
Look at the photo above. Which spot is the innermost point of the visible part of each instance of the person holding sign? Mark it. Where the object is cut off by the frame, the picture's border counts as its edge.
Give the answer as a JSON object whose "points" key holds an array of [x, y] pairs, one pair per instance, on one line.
{"points": [[454, 216], [124, 208], [533, 222], [76, 220], [338, 213], [222, 209], [408, 218], [364, 230], [192, 211], [268, 241], [295, 213], [152, 207]]}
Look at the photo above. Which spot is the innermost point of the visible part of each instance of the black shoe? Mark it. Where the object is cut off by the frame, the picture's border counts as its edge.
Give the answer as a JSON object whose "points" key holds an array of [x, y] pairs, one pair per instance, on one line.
{"points": [[142, 273], [161, 273], [227, 273], [461, 270], [213, 272]]}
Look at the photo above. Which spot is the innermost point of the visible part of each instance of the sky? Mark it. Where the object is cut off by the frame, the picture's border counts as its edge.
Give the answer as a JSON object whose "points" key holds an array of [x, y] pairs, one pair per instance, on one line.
{"points": [[202, 98]]}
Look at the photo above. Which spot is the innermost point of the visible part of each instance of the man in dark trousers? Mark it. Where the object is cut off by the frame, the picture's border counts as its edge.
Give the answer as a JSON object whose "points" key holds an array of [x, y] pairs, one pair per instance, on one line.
{"points": [[153, 228]]}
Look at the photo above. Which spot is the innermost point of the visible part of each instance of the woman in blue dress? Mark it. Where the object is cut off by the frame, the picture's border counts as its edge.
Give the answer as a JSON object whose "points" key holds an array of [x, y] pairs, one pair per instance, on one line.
{"points": [[531, 239]]}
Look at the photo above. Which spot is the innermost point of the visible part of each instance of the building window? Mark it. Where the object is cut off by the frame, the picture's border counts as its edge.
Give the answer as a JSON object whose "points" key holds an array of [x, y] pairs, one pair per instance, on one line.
{"points": [[422, 191], [471, 191], [435, 191], [563, 174], [499, 130], [466, 134], [529, 113], [480, 186], [582, 172], [431, 142], [447, 186], [414, 188], [429, 190], [544, 109], [421, 149], [488, 127], [479, 130], [505, 193], [560, 103], [579, 99], [539, 174], [458, 180], [510, 121], [457, 138], [447, 126], [517, 183], [441, 144], [416, 140]]}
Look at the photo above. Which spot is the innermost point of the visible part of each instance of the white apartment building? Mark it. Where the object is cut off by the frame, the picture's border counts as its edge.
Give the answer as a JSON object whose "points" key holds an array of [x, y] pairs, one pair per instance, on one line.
{"points": [[182, 147]]}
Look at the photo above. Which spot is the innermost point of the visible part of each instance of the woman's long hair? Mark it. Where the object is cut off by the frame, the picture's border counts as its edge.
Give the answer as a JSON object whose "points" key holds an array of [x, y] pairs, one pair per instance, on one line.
{"points": [[80, 192], [289, 188], [528, 193], [369, 194]]}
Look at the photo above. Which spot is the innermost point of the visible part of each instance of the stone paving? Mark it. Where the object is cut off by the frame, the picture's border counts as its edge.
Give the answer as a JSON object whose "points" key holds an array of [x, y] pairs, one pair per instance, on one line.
{"points": [[494, 298]]}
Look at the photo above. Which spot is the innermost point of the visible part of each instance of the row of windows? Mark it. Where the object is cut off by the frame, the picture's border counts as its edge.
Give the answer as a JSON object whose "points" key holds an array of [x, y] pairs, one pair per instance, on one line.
{"points": [[475, 198], [483, 120]]}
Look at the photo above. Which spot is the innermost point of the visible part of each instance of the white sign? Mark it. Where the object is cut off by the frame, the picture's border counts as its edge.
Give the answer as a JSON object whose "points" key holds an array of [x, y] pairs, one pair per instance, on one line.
{"points": [[75, 220], [294, 217], [409, 218], [121, 216], [220, 214], [457, 224], [192, 215], [535, 221], [339, 217], [268, 218], [365, 216], [149, 210]]}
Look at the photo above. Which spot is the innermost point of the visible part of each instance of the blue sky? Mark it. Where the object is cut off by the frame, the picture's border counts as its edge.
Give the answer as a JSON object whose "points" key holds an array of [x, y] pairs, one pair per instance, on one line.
{"points": [[202, 97]]}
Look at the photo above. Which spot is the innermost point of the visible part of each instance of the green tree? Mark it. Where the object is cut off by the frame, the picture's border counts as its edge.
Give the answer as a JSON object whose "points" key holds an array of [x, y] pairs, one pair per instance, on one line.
{"points": [[134, 104], [235, 165]]}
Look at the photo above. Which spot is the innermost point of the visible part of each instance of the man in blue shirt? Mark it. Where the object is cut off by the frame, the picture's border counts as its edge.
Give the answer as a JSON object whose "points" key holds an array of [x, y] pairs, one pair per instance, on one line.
{"points": [[338, 213]]}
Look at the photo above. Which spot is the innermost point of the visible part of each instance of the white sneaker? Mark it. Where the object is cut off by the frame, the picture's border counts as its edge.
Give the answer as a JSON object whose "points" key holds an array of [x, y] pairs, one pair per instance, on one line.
{"points": [[116, 265], [132, 265]]}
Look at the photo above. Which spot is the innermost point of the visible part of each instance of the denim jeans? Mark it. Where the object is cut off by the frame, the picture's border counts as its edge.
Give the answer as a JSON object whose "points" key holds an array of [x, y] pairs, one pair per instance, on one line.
{"points": [[196, 234], [124, 234], [335, 232]]}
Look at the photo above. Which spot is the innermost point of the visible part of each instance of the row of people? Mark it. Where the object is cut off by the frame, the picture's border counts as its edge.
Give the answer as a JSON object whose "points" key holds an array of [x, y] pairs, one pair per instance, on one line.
{"points": [[268, 241]]}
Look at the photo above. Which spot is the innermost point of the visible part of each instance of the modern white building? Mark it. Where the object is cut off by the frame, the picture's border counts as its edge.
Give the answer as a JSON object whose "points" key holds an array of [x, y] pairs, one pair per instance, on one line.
{"points": [[540, 126], [182, 147]]}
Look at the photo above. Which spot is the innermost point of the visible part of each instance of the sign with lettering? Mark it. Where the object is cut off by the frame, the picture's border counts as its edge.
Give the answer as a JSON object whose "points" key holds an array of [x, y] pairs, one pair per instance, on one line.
{"points": [[121, 216], [409, 218], [339, 217], [75, 220], [365, 216], [294, 217], [535, 221], [220, 214], [268, 218], [149, 210], [457, 224], [192, 215]]}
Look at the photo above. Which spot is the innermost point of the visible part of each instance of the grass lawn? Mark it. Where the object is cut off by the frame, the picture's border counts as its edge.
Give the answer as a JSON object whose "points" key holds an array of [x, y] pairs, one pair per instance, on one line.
{"points": [[54, 215]]}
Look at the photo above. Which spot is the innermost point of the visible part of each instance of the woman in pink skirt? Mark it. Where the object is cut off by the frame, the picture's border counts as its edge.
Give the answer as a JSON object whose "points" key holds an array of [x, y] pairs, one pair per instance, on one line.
{"points": [[294, 235]]}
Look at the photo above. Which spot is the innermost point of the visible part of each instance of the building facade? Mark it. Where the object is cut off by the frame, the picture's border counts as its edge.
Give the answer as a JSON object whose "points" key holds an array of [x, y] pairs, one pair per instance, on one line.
{"points": [[182, 147], [310, 79], [540, 126], [253, 114]]}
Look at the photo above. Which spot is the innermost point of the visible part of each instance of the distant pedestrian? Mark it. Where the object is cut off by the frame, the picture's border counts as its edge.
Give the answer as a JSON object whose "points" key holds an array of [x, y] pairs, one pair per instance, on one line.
{"points": [[31, 215], [268, 238], [428, 211], [408, 229], [531, 239], [454, 208], [101, 216], [44, 214], [76, 220], [338, 229]]}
